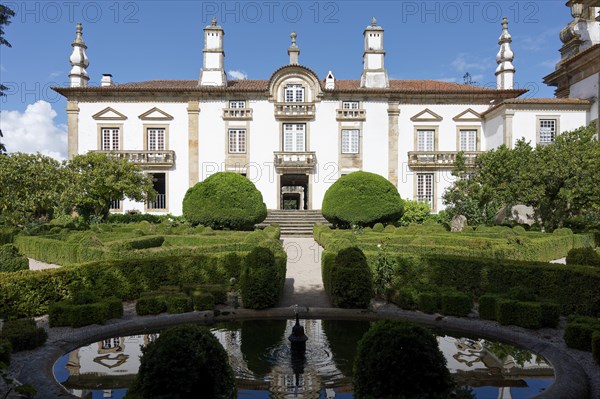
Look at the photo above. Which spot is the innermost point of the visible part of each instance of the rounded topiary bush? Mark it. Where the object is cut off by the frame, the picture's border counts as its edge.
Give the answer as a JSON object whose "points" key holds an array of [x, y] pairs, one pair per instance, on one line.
{"points": [[186, 361], [400, 360], [225, 200], [261, 282], [350, 280], [363, 199]]}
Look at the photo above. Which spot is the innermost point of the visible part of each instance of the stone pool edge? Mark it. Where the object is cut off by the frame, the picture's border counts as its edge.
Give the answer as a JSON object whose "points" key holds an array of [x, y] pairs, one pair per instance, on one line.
{"points": [[571, 379]]}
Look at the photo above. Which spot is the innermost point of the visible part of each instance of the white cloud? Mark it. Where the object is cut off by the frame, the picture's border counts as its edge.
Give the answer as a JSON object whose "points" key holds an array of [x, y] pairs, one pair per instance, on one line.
{"points": [[34, 131], [237, 75], [55, 74], [2, 68], [465, 62]]}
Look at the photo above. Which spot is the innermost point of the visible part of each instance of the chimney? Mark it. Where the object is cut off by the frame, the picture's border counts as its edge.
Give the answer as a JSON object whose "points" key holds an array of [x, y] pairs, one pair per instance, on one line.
{"points": [[106, 80]]}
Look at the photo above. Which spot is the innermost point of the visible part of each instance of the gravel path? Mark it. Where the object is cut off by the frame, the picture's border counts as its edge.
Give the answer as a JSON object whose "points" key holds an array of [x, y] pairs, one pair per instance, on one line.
{"points": [[37, 265], [303, 283]]}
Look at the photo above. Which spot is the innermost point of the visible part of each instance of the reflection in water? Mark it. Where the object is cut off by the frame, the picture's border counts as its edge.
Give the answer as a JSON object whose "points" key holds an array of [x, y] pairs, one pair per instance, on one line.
{"points": [[265, 366]]}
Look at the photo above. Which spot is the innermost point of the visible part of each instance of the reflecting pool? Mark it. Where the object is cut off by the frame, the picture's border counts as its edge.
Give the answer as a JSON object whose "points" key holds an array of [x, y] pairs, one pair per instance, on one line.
{"points": [[260, 355]]}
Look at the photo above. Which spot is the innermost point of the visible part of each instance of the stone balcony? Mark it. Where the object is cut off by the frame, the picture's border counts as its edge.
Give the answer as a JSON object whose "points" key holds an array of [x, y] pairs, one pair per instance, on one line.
{"points": [[295, 162], [145, 158], [237, 114], [294, 111], [438, 159], [351, 115]]}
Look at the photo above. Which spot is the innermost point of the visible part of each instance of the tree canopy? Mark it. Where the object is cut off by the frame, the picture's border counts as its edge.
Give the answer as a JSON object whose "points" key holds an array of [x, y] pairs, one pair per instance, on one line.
{"points": [[559, 180], [100, 179], [34, 186]]}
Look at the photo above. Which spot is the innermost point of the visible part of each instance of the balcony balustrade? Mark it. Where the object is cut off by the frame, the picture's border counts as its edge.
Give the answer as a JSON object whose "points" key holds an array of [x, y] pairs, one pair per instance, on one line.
{"points": [[300, 162], [438, 159], [351, 114], [295, 111], [237, 114], [145, 158]]}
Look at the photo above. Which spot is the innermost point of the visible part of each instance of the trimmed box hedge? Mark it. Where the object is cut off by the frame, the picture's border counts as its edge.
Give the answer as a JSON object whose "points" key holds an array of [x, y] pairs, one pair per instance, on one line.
{"points": [[11, 260], [179, 303], [456, 304], [429, 302], [68, 313], [23, 334], [203, 300], [574, 288], [579, 331], [137, 243], [28, 293], [150, 305]]}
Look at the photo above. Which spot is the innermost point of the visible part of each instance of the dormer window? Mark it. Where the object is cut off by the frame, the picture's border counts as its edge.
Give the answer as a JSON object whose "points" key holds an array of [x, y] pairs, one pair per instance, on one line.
{"points": [[294, 93]]}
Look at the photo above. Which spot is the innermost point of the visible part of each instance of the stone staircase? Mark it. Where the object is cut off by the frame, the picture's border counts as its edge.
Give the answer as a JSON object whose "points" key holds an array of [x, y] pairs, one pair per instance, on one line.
{"points": [[294, 223]]}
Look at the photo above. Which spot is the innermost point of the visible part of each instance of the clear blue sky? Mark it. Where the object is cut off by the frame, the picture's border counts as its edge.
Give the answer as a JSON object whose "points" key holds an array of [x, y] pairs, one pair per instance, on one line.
{"points": [[142, 40]]}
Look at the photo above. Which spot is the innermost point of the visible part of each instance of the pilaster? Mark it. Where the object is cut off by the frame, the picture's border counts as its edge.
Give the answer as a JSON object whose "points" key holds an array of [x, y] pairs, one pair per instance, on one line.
{"points": [[193, 110], [72, 128], [393, 113], [508, 128]]}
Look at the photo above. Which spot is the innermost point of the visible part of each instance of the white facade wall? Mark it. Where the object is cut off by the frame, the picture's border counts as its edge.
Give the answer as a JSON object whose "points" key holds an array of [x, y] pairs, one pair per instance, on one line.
{"points": [[588, 89], [264, 136], [493, 132], [525, 122]]}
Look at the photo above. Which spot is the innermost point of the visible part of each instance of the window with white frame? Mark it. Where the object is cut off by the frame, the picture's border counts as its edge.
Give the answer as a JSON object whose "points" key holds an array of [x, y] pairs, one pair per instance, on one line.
{"points": [[425, 140], [350, 141], [425, 188], [350, 105], [237, 104], [237, 141], [547, 131], [468, 140], [294, 93], [156, 139], [110, 139], [294, 137]]}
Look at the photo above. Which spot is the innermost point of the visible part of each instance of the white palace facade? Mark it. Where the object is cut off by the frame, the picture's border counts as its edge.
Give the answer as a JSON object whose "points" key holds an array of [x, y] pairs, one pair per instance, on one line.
{"points": [[294, 134]]}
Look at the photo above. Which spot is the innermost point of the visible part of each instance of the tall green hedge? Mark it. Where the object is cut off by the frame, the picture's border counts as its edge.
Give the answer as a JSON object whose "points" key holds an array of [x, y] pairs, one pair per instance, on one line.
{"points": [[579, 332], [29, 293], [583, 256], [574, 288], [435, 240], [225, 200], [262, 279], [362, 198]]}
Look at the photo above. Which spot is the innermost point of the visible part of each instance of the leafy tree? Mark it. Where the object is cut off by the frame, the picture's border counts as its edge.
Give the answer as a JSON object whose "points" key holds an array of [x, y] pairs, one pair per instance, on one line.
{"points": [[466, 196], [5, 15], [566, 175], [414, 212], [32, 186], [558, 180], [100, 179]]}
